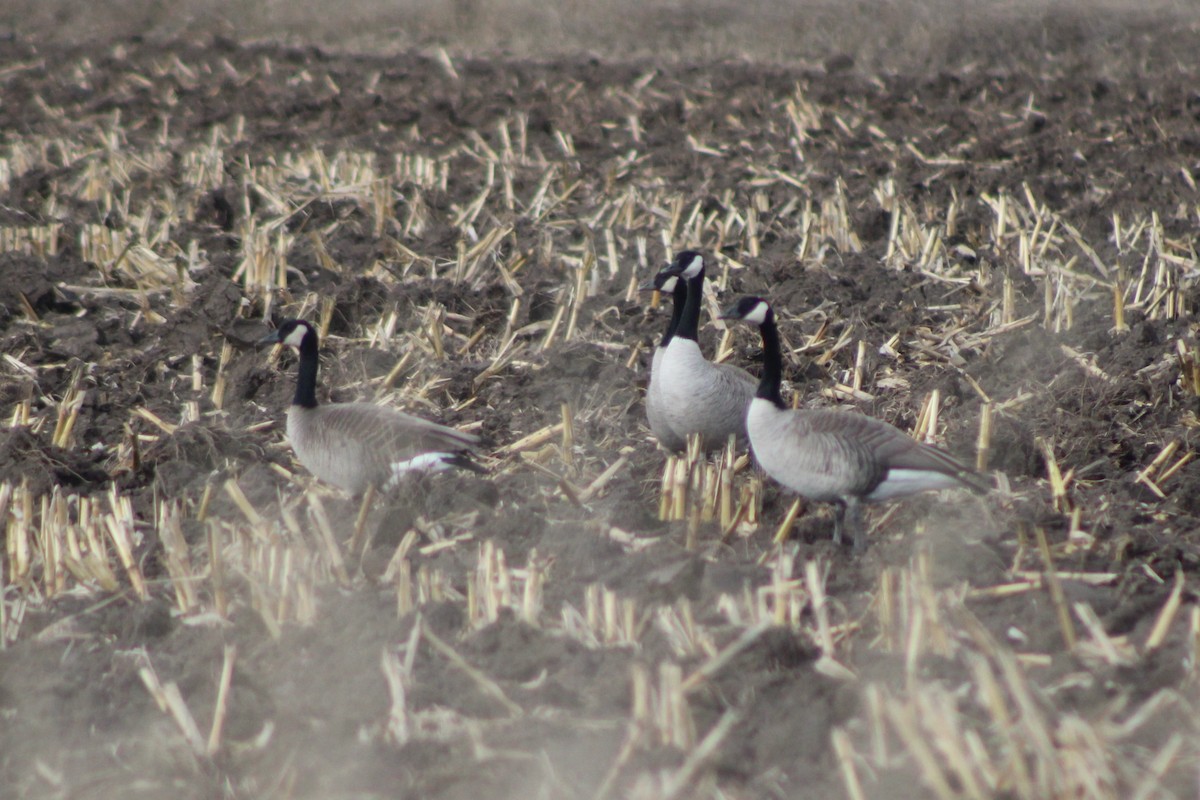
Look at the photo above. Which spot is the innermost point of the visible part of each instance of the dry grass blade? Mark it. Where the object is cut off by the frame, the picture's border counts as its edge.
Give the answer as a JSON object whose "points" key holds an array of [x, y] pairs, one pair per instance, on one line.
{"points": [[398, 728], [567, 449], [1066, 626], [357, 541], [531, 598], [1183, 460], [532, 440], [602, 480], [1162, 623], [169, 700], [68, 413], [1058, 485], [218, 724], [700, 755], [485, 684], [984, 442], [3, 592], [1144, 477], [1189, 367], [244, 505], [316, 511], [119, 525], [815, 582], [666, 500], [715, 664], [628, 748], [673, 719], [844, 750], [927, 420], [905, 723], [216, 562], [183, 581], [789, 519], [1112, 652], [1151, 784]]}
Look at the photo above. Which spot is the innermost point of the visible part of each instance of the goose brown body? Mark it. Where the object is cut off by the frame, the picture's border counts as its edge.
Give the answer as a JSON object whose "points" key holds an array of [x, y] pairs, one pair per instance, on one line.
{"points": [[696, 395], [700, 397], [356, 445], [829, 455], [837, 456]]}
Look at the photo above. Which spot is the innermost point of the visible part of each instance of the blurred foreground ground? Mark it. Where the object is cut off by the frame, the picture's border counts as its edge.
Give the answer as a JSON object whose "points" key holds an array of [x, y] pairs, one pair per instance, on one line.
{"points": [[951, 197]]}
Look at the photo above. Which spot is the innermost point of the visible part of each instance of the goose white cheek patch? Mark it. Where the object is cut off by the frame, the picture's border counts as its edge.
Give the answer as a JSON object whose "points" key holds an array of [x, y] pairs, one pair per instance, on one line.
{"points": [[426, 462], [296, 336], [757, 315]]}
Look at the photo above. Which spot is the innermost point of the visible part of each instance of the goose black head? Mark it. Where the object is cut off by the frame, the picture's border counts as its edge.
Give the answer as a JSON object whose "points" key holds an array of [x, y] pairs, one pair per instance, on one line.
{"points": [[291, 332], [663, 281], [754, 310], [687, 264]]}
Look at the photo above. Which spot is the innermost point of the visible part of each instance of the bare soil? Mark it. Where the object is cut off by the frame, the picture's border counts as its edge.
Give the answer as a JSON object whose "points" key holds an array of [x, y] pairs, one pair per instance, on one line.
{"points": [[821, 188]]}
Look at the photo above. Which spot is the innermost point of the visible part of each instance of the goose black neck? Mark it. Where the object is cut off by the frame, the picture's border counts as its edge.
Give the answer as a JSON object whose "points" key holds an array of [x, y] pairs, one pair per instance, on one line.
{"points": [[772, 374], [678, 299], [689, 320], [306, 379]]}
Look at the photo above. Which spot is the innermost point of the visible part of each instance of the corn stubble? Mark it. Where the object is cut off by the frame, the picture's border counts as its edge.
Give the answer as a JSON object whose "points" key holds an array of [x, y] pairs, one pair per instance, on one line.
{"points": [[997, 732]]}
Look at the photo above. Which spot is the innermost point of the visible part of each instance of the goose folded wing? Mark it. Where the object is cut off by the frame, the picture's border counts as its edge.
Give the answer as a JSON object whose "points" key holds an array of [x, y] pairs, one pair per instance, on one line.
{"points": [[892, 449], [826, 448], [394, 434], [736, 379]]}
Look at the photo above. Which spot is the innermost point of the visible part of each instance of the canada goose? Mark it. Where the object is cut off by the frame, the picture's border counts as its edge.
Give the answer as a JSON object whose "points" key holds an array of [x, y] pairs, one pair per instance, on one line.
{"points": [[836, 456], [697, 395], [356, 445], [666, 282]]}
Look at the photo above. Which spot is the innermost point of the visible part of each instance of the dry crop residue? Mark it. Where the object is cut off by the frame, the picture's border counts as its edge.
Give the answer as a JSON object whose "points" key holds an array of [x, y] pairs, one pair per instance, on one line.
{"points": [[185, 612]]}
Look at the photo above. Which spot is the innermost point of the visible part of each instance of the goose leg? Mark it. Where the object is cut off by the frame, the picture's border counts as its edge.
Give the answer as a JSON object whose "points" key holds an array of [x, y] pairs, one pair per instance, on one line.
{"points": [[855, 522], [839, 518]]}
